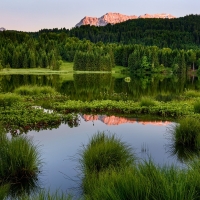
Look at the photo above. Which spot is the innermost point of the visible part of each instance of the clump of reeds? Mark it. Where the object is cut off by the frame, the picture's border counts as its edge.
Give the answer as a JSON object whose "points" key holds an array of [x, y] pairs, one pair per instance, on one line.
{"points": [[187, 133], [104, 152], [8, 99], [197, 107], [20, 159], [146, 181], [147, 102], [34, 90]]}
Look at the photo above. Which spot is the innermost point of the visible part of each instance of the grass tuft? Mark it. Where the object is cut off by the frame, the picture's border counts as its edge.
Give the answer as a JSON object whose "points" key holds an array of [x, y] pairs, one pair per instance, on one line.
{"points": [[147, 102], [34, 90], [20, 159], [187, 133]]}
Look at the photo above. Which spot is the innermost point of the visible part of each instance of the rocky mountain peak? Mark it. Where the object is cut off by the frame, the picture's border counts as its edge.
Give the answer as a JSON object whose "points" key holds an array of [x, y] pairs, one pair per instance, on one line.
{"points": [[114, 18]]}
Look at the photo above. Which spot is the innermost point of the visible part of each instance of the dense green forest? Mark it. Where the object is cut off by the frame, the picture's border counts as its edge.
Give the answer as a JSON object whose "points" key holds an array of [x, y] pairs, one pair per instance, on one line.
{"points": [[142, 45]]}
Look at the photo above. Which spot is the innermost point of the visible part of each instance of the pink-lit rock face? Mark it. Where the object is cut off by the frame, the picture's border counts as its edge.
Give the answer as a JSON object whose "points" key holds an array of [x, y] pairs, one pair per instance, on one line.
{"points": [[114, 18], [113, 120]]}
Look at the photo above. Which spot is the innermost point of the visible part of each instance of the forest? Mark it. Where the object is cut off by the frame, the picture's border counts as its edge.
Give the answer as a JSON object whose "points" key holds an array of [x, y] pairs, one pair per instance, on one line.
{"points": [[142, 45]]}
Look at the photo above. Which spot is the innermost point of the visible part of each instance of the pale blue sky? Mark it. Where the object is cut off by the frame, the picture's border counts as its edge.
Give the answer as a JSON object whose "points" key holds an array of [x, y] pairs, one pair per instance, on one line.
{"points": [[33, 15]]}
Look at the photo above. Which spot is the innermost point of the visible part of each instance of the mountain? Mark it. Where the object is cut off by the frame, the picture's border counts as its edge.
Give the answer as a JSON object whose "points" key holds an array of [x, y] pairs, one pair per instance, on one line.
{"points": [[2, 29], [114, 18], [114, 120]]}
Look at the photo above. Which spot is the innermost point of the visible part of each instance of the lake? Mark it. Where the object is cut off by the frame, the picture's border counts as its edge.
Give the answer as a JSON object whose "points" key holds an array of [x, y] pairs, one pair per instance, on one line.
{"points": [[60, 147]]}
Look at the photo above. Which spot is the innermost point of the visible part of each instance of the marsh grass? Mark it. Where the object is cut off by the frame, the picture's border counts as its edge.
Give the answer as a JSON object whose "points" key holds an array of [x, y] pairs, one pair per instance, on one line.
{"points": [[146, 181], [4, 191], [197, 107], [187, 133], [8, 99], [34, 90], [147, 102], [20, 159], [104, 152]]}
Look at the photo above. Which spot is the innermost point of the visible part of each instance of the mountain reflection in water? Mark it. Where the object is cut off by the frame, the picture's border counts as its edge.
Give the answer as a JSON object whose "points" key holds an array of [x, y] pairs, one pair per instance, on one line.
{"points": [[114, 120]]}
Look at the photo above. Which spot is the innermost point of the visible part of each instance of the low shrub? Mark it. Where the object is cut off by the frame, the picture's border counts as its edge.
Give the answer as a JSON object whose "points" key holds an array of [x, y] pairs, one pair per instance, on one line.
{"points": [[34, 90]]}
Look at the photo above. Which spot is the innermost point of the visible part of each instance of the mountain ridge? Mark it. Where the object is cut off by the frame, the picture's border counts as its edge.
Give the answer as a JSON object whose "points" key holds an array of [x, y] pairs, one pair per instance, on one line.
{"points": [[114, 18]]}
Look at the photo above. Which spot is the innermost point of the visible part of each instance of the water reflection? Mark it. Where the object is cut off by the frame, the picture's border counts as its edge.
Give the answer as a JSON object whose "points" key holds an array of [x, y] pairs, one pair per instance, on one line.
{"points": [[104, 86]]}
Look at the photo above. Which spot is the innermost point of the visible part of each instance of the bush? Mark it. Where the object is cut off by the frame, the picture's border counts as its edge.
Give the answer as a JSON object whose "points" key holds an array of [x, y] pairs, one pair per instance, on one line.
{"points": [[34, 90]]}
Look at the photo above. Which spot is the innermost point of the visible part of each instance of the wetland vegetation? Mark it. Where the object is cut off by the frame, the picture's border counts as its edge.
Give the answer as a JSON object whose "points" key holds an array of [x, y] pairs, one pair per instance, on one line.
{"points": [[146, 72]]}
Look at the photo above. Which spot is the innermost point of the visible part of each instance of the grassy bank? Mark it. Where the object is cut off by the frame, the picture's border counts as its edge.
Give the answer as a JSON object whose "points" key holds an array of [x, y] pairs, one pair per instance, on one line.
{"points": [[139, 180], [66, 67]]}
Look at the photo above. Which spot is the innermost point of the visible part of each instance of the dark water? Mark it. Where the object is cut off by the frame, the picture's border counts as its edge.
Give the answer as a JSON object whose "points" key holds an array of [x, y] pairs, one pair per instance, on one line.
{"points": [[60, 147], [104, 86]]}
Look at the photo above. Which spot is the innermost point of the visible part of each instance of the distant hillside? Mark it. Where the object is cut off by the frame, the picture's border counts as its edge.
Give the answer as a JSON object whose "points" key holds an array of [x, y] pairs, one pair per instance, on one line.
{"points": [[183, 32], [114, 18]]}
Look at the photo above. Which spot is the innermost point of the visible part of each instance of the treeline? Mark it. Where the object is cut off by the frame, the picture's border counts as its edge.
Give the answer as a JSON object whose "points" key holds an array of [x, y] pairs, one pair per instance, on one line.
{"points": [[20, 50], [96, 60], [49, 49], [181, 33]]}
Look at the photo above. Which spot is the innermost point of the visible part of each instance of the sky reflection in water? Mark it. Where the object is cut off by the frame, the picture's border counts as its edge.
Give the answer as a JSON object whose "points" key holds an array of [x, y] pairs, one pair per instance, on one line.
{"points": [[60, 146]]}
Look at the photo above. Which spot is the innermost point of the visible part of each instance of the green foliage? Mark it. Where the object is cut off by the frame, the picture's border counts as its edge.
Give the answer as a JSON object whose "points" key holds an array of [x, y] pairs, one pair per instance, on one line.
{"points": [[192, 93], [20, 159], [34, 90], [146, 101], [187, 133], [9, 99], [92, 61], [146, 181], [105, 152], [197, 107]]}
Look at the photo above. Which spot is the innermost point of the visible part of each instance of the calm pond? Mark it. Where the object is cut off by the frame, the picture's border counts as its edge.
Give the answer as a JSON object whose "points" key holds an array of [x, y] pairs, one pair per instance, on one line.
{"points": [[60, 147]]}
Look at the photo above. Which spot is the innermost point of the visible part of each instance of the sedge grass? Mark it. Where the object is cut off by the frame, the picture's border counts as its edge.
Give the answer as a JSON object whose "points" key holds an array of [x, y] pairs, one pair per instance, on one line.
{"points": [[146, 181], [34, 90], [20, 159], [104, 152], [187, 133]]}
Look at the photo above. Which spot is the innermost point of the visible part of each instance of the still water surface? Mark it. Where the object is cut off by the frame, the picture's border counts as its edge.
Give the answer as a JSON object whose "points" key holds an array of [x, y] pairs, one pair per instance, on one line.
{"points": [[60, 147]]}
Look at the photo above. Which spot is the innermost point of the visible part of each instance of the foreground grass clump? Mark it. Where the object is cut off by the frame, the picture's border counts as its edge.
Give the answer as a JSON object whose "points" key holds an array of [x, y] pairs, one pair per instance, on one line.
{"points": [[9, 99], [146, 181], [34, 90], [146, 101], [105, 152], [20, 159], [187, 133], [197, 107]]}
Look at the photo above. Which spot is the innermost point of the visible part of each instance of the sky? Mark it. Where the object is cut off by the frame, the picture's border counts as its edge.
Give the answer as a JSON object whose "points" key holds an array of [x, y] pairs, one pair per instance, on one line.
{"points": [[34, 15]]}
